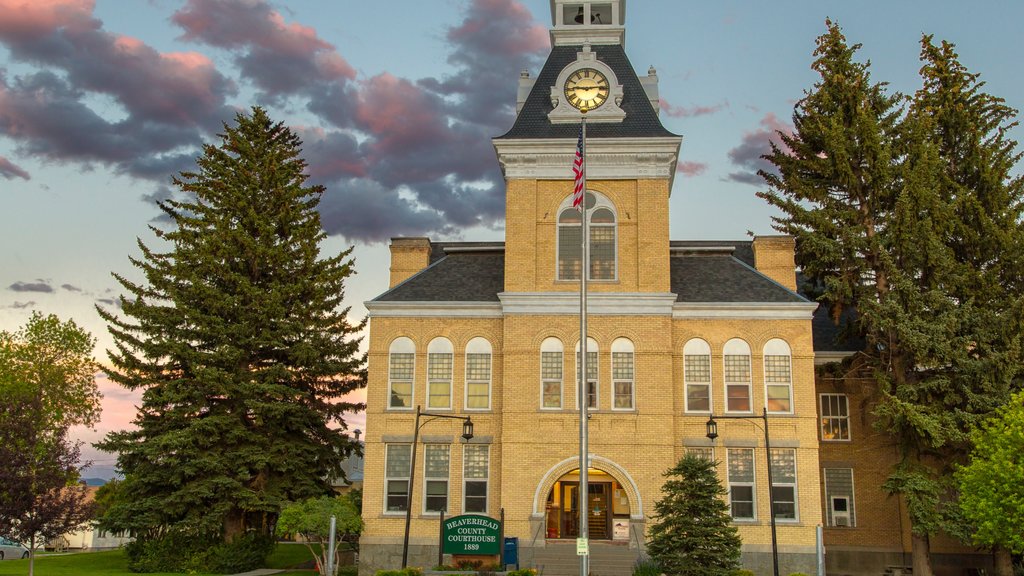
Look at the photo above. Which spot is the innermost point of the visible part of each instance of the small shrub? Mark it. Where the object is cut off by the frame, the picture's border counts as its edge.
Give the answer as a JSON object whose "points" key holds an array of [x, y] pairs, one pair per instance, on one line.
{"points": [[523, 572], [646, 567], [743, 572], [403, 572]]}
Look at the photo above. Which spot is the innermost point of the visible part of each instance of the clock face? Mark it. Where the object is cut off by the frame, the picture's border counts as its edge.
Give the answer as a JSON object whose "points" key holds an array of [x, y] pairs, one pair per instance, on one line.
{"points": [[586, 89]]}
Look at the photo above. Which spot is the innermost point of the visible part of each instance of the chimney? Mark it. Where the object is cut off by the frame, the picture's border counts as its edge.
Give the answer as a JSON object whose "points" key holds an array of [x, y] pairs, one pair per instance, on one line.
{"points": [[408, 256], [774, 257]]}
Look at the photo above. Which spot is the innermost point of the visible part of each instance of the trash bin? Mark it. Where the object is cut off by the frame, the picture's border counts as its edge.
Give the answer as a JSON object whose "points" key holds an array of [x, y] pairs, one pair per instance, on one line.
{"points": [[510, 554]]}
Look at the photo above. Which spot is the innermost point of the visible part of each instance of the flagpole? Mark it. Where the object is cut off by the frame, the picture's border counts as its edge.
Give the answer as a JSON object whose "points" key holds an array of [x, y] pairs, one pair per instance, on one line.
{"points": [[584, 531]]}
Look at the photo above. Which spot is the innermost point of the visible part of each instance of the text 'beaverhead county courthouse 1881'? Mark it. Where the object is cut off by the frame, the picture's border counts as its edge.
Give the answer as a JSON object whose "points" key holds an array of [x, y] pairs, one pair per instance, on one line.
{"points": [[677, 331]]}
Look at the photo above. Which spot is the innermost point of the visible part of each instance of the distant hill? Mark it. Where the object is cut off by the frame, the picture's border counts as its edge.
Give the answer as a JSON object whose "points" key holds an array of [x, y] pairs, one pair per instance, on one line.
{"points": [[94, 481]]}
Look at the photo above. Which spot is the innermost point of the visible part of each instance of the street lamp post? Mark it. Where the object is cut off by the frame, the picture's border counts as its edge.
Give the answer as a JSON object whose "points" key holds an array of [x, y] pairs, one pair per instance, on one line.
{"points": [[467, 433], [712, 433]]}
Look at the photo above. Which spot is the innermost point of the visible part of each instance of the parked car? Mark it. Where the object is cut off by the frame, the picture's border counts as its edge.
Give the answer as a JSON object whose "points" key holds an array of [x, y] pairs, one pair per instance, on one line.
{"points": [[11, 550]]}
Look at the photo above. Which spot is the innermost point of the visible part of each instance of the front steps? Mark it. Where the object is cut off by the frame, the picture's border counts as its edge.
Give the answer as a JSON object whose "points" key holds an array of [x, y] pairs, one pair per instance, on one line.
{"points": [[558, 558]]}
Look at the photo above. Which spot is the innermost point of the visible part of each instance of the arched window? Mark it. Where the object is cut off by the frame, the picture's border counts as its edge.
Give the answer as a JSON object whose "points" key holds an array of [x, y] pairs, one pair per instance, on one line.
{"points": [[439, 374], [737, 376], [592, 388], [478, 374], [623, 390], [697, 375], [401, 367], [603, 235], [778, 376], [551, 374]]}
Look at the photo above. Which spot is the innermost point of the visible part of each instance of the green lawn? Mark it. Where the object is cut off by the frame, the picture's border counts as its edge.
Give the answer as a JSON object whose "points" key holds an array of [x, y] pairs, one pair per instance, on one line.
{"points": [[114, 563]]}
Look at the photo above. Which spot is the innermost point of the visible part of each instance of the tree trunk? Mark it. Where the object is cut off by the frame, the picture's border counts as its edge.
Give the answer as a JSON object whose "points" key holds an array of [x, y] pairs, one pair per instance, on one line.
{"points": [[234, 525], [1003, 562], [31, 555], [920, 560]]}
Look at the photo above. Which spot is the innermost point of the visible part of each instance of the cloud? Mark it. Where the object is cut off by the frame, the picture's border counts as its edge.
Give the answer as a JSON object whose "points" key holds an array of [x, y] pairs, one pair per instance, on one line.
{"points": [[70, 288], [10, 170], [691, 168], [748, 155], [111, 302], [169, 99], [682, 112], [37, 286], [23, 305]]}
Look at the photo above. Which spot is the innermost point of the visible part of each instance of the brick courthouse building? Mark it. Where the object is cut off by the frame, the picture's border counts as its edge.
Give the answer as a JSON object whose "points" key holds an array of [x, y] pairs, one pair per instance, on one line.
{"points": [[678, 331]]}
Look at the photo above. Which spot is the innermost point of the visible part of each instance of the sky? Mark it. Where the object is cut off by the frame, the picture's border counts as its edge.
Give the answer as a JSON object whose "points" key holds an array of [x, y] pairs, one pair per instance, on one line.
{"points": [[102, 101]]}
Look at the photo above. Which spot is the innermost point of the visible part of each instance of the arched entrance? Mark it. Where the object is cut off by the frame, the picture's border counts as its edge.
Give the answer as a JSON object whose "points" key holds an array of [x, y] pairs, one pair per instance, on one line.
{"points": [[607, 507]]}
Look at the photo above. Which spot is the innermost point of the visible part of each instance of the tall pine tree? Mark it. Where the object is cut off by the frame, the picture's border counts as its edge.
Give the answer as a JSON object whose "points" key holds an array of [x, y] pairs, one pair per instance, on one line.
{"points": [[910, 219], [239, 343]]}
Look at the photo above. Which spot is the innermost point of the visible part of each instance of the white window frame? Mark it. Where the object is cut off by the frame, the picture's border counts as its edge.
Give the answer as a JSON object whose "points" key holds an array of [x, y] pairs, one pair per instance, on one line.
{"points": [[486, 480], [624, 346], [844, 400], [851, 501], [437, 350], [388, 478], [428, 480], [592, 378], [693, 348], [480, 346], [552, 346], [733, 348], [401, 345], [751, 484], [777, 483], [599, 201], [705, 452], [777, 347]]}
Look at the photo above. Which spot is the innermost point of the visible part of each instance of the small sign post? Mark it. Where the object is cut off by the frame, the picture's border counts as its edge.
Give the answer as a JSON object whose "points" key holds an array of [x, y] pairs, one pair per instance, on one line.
{"points": [[582, 547], [471, 534]]}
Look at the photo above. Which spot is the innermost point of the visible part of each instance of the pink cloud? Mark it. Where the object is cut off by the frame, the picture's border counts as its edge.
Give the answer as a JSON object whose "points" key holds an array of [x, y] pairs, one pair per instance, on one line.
{"points": [[682, 112], [10, 170], [755, 144], [691, 168], [483, 27], [28, 19]]}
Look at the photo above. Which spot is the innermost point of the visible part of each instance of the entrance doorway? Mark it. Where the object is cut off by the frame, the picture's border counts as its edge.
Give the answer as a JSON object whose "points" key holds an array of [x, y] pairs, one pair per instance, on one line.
{"points": [[607, 508]]}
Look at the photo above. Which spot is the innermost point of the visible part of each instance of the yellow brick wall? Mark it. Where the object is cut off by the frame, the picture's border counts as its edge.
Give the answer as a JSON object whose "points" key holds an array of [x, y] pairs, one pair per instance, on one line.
{"points": [[408, 256], [773, 257]]}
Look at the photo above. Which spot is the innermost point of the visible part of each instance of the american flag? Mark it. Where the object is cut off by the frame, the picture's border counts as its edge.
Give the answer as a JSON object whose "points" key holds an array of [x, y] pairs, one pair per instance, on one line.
{"points": [[577, 174]]}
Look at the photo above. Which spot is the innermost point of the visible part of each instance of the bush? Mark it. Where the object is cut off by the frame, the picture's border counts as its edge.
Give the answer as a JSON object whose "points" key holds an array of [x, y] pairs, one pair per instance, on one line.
{"points": [[403, 572], [646, 567], [177, 551], [523, 572], [743, 573], [348, 570]]}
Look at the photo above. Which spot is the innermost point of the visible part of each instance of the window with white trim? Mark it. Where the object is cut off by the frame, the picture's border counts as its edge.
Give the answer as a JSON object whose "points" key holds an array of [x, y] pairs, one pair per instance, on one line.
{"points": [[396, 477], [401, 368], [478, 374], [741, 483], [623, 393], [703, 452], [439, 374], [475, 474], [784, 495], [603, 239], [839, 509], [592, 388], [551, 374], [697, 376], [435, 477], [778, 377], [835, 417], [736, 357]]}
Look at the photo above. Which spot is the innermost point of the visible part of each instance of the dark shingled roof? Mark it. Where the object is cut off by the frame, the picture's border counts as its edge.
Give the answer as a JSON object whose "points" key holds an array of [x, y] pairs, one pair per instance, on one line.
{"points": [[475, 276], [641, 118], [719, 277]]}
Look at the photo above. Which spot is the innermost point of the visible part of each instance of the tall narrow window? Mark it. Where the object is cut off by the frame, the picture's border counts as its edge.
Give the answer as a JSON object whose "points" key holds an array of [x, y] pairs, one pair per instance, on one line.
{"points": [[778, 377], [478, 374], [737, 376], [697, 375], [592, 388], [705, 452], [835, 417], [839, 506], [551, 373], [401, 367], [396, 477], [741, 483], [603, 239], [475, 473], [784, 483], [439, 374], [623, 393], [435, 477]]}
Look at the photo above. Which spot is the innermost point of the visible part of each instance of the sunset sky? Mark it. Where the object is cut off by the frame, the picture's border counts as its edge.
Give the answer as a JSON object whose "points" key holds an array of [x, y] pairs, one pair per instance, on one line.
{"points": [[396, 102]]}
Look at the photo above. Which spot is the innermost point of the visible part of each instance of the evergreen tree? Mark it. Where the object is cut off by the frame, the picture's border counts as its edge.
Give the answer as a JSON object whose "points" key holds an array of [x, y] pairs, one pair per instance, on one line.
{"points": [[239, 344], [889, 219], [693, 532]]}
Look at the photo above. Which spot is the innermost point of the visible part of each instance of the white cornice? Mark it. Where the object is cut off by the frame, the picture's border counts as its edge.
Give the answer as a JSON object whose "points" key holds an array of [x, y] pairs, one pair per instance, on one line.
{"points": [[580, 35], [385, 309], [598, 303], [831, 356], [607, 158], [745, 310]]}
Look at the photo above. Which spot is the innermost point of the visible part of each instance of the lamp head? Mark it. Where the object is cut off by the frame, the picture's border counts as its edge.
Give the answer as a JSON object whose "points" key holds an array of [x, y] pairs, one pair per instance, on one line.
{"points": [[712, 426], [467, 429]]}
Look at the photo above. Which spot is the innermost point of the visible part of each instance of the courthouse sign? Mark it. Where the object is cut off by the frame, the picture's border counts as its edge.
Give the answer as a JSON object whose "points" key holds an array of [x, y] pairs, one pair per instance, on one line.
{"points": [[471, 534]]}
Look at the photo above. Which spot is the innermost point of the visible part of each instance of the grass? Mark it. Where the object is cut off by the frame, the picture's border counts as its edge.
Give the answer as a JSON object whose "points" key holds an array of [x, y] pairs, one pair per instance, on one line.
{"points": [[114, 563]]}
